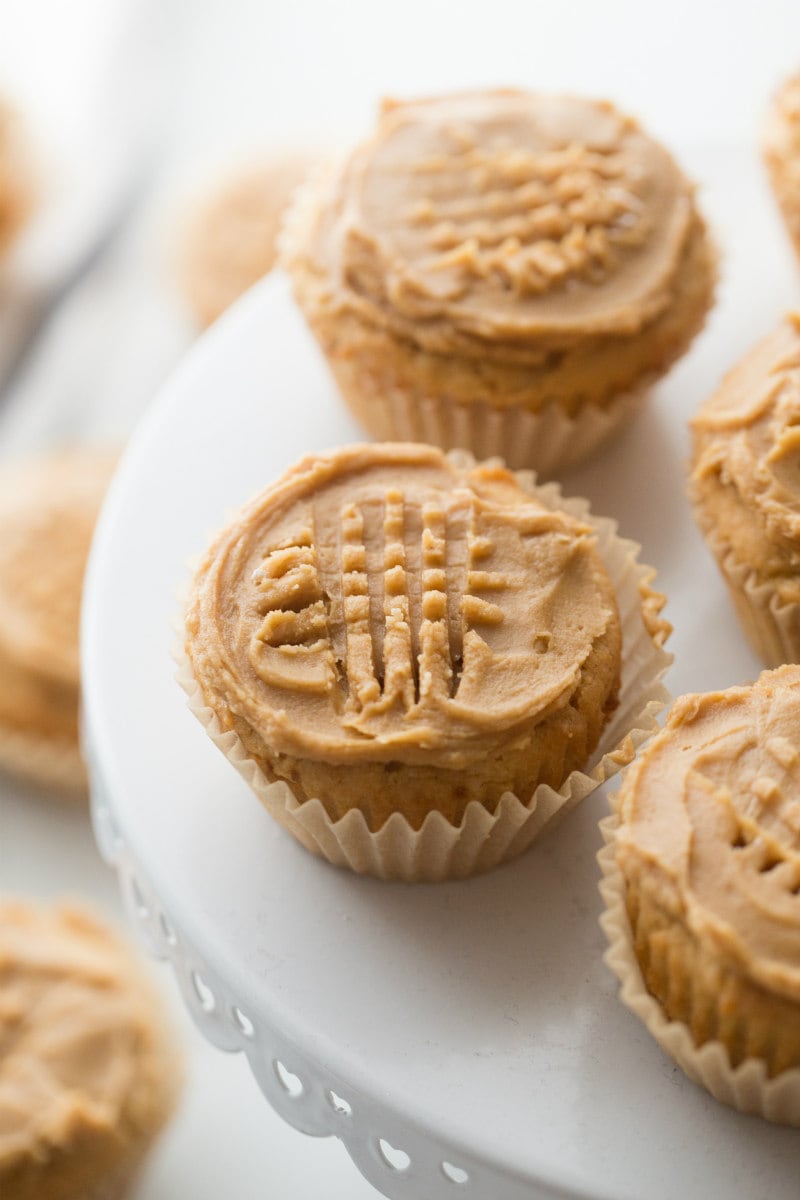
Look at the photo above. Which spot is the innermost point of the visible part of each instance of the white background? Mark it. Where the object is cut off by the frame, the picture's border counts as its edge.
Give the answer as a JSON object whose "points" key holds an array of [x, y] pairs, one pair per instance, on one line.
{"points": [[206, 83]]}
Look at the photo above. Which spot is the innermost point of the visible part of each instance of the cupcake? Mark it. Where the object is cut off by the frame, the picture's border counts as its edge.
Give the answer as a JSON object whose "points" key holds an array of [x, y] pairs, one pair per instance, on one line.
{"points": [[395, 646], [88, 1072], [230, 240], [501, 271], [48, 508], [782, 154], [745, 489], [16, 177], [703, 888]]}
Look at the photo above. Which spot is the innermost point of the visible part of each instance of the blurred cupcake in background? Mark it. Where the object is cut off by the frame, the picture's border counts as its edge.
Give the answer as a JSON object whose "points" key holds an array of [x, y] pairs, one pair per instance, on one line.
{"points": [[48, 509], [89, 1072], [230, 238], [17, 186], [782, 154]]}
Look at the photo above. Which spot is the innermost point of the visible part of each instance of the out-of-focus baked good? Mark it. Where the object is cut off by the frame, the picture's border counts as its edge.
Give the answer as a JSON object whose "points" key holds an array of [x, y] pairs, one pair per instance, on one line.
{"points": [[708, 849], [395, 633], [230, 240], [17, 187], [89, 1073], [782, 154], [503, 271], [745, 489], [48, 509]]}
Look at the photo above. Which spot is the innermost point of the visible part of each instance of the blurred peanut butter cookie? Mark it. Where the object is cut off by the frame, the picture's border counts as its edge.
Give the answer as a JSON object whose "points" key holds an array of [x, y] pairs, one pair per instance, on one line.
{"points": [[48, 509], [16, 176], [230, 240]]}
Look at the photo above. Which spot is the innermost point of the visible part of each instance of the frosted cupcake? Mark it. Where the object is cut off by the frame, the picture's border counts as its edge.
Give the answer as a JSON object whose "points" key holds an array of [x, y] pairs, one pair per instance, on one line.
{"points": [[745, 489], [88, 1071], [48, 509], [502, 271], [394, 645], [703, 885]]}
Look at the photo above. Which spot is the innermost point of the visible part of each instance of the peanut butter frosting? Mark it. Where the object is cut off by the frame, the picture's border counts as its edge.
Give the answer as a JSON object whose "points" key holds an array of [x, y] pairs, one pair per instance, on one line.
{"points": [[712, 810], [86, 1074], [501, 223], [385, 602], [747, 443], [48, 510]]}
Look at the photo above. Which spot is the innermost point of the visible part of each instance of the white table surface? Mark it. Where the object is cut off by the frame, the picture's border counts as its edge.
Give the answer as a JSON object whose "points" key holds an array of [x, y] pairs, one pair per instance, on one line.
{"points": [[252, 74]]}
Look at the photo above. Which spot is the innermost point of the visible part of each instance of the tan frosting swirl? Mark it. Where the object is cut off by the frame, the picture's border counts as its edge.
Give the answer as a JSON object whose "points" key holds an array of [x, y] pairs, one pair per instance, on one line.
{"points": [[483, 220], [383, 602], [84, 1070], [748, 433], [713, 807]]}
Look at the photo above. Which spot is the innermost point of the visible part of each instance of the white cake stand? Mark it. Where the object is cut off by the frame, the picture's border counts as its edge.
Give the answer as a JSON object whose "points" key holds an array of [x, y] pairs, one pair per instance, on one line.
{"points": [[463, 1040]]}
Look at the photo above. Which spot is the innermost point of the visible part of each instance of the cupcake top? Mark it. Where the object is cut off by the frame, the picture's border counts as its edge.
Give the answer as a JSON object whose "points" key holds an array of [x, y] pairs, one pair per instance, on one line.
{"points": [[86, 1072], [230, 241], [48, 510], [747, 435], [712, 808], [479, 221], [384, 602]]}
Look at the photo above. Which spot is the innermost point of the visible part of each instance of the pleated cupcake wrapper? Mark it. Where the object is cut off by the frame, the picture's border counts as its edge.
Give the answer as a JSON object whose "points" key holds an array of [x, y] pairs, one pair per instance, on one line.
{"points": [[440, 850], [547, 440], [747, 1087], [772, 628], [51, 763]]}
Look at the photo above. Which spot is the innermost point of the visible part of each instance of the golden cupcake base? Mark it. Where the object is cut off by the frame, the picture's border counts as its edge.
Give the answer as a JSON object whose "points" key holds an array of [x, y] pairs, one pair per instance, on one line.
{"points": [[746, 1087]]}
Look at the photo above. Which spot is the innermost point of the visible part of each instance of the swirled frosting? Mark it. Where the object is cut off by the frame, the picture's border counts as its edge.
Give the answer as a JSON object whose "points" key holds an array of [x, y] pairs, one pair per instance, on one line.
{"points": [[85, 1075], [712, 808], [383, 602], [483, 220], [747, 436]]}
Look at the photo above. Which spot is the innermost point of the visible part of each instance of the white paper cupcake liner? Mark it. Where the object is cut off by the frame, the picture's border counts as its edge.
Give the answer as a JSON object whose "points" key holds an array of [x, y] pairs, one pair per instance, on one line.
{"points": [[747, 1087], [52, 763], [440, 850], [546, 440], [771, 627]]}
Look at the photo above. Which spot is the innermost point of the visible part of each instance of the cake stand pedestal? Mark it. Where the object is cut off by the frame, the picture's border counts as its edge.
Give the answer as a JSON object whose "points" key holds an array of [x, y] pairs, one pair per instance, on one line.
{"points": [[463, 1040]]}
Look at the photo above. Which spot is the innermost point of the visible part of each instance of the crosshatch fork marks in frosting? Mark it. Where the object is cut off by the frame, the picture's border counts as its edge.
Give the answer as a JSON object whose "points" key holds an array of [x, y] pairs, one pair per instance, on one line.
{"points": [[379, 595]]}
